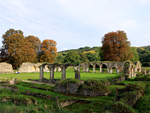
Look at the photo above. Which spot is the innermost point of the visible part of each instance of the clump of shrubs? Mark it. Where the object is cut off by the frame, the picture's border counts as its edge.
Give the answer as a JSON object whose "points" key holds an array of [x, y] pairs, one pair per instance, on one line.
{"points": [[131, 93], [94, 85], [143, 78], [139, 74], [119, 107], [66, 81]]}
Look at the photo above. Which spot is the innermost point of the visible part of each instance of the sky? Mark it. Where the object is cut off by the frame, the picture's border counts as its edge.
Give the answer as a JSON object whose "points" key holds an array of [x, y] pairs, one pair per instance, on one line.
{"points": [[77, 23]]}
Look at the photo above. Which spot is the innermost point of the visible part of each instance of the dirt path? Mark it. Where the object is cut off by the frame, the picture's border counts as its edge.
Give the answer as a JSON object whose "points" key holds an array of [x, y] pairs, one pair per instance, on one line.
{"points": [[36, 82]]}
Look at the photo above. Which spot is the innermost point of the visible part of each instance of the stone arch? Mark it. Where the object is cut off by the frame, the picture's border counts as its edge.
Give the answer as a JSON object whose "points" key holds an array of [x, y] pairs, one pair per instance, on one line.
{"points": [[104, 67], [63, 68], [113, 69], [138, 67], [97, 67], [59, 69], [42, 71], [132, 71], [91, 67], [52, 70], [94, 66], [120, 66], [84, 66]]}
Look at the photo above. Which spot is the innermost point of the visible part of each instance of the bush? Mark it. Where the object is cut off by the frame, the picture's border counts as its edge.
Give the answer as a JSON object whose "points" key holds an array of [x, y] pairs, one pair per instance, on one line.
{"points": [[139, 74], [95, 85], [119, 107], [65, 81], [145, 64], [143, 78], [131, 93]]}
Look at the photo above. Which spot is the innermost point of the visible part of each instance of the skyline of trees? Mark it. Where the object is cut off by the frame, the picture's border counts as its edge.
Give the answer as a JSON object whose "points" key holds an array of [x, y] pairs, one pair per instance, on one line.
{"points": [[17, 49]]}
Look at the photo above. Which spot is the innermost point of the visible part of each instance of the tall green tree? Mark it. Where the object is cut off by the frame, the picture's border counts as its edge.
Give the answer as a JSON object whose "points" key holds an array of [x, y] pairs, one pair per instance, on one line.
{"points": [[72, 57], [116, 47], [83, 57], [59, 59], [92, 57], [135, 54]]}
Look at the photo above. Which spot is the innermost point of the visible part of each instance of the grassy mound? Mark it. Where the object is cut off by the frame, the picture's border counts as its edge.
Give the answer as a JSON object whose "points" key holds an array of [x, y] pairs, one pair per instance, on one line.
{"points": [[94, 85], [119, 107]]}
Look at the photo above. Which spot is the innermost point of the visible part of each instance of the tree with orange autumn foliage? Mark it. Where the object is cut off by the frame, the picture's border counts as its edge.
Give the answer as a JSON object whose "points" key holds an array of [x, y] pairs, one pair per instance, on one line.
{"points": [[35, 41], [16, 49], [5, 41], [48, 51], [19, 50], [116, 47]]}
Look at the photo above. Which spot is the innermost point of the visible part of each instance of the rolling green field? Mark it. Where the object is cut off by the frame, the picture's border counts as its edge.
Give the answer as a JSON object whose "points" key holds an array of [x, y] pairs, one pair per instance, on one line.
{"points": [[57, 75]]}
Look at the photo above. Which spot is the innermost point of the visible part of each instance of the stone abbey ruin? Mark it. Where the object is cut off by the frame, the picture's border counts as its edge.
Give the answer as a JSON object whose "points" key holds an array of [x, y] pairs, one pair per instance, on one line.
{"points": [[130, 69], [87, 88]]}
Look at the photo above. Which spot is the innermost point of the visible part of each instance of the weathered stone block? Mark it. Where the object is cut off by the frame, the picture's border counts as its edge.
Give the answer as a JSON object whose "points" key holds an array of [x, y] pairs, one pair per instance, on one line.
{"points": [[5, 68]]}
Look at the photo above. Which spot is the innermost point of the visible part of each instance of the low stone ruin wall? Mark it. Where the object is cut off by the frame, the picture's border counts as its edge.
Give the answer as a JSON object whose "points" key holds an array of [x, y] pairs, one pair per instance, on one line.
{"points": [[6, 68], [85, 88], [28, 67]]}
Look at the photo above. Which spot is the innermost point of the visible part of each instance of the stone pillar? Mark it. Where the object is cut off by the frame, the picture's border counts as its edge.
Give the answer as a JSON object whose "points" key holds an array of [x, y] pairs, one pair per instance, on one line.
{"points": [[117, 71], [55, 69], [75, 68], [41, 74], [107, 70], [63, 72], [52, 73], [100, 69], [79, 68], [94, 68], [77, 74], [87, 69], [110, 70]]}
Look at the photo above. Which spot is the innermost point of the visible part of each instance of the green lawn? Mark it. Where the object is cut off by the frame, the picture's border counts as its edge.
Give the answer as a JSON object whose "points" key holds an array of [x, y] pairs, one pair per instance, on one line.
{"points": [[57, 75]]}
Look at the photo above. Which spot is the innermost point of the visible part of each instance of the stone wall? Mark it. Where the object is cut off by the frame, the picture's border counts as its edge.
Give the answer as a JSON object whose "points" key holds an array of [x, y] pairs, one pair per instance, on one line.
{"points": [[28, 67], [5, 68]]}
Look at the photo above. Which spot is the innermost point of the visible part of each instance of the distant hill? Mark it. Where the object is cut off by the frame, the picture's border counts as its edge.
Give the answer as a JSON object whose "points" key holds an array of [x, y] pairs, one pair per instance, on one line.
{"points": [[83, 50], [94, 49]]}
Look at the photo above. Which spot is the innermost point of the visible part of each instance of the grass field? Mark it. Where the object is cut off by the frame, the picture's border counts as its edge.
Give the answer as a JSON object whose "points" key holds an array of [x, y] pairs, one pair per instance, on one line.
{"points": [[96, 105], [57, 75]]}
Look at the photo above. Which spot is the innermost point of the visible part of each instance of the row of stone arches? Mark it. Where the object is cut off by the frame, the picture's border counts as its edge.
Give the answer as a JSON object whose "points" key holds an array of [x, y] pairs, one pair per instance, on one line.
{"points": [[52, 68], [107, 67], [129, 68]]}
